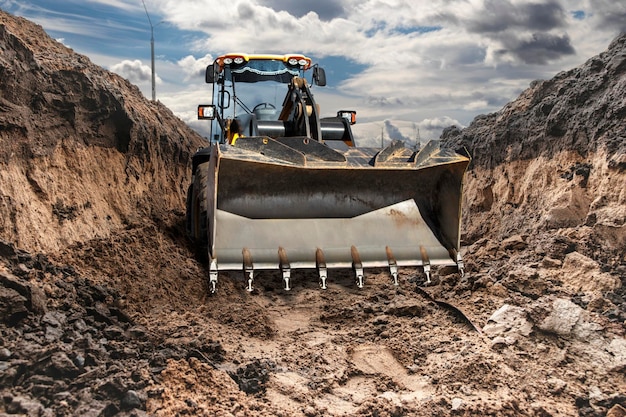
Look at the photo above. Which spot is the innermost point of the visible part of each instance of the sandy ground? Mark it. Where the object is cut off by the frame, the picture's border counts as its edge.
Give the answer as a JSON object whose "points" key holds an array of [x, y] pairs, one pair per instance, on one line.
{"points": [[381, 350]]}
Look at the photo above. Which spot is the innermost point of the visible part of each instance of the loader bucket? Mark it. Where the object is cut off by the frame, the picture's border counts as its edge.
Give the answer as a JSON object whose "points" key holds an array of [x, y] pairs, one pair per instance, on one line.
{"points": [[294, 203]]}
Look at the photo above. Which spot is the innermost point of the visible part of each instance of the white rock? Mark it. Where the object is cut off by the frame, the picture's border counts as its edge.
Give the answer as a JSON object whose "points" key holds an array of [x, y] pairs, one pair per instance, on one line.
{"points": [[617, 347], [508, 323], [457, 403], [568, 319], [562, 318]]}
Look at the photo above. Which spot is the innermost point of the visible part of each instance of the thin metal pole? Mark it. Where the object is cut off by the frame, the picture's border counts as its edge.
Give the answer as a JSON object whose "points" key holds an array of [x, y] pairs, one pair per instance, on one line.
{"points": [[152, 63], [151, 51]]}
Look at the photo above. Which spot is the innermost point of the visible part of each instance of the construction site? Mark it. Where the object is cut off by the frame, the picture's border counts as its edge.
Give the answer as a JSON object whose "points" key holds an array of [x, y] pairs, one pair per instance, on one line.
{"points": [[483, 274]]}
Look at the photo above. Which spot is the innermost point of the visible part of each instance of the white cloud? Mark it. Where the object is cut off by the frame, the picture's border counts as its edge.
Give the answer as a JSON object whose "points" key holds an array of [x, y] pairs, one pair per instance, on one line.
{"points": [[420, 60], [423, 59], [135, 71], [476, 105], [379, 133], [194, 68], [62, 41], [439, 123], [129, 6]]}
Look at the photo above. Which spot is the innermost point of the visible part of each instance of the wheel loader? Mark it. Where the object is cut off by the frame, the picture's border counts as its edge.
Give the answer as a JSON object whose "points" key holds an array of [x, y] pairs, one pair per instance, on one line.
{"points": [[283, 188]]}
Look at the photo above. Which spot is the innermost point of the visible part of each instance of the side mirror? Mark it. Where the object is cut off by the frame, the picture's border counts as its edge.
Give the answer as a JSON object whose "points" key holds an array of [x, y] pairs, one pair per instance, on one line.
{"points": [[209, 76], [206, 111], [319, 76]]}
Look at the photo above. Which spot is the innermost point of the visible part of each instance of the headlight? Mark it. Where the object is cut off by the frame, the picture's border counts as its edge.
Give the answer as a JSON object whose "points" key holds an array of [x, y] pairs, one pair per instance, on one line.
{"points": [[238, 60], [228, 61], [298, 61]]}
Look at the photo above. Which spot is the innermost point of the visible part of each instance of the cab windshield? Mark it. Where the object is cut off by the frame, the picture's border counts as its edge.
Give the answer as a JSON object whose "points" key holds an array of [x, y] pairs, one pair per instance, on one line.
{"points": [[257, 70]]}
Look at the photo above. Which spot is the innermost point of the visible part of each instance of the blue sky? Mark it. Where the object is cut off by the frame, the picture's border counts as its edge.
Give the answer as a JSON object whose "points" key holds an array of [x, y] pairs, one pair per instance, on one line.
{"points": [[419, 64]]}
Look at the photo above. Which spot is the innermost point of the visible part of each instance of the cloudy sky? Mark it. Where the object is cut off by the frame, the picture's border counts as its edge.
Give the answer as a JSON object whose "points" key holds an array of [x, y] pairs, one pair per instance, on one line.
{"points": [[417, 65]]}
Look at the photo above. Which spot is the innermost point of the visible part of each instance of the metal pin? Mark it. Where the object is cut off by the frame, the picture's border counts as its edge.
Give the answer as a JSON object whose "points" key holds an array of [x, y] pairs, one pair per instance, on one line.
{"points": [[425, 263], [427, 273], [459, 263], [248, 268], [321, 268], [357, 265], [213, 276], [393, 265], [285, 268]]}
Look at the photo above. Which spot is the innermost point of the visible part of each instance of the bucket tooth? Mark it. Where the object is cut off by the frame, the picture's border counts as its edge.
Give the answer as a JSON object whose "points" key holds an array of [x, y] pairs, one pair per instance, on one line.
{"points": [[393, 265], [248, 268], [213, 276], [425, 263], [459, 262], [357, 265], [320, 264], [285, 267], [427, 273]]}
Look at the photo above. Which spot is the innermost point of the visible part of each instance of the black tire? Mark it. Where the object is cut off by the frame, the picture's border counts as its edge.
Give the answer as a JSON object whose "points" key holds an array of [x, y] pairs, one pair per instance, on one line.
{"points": [[199, 205]]}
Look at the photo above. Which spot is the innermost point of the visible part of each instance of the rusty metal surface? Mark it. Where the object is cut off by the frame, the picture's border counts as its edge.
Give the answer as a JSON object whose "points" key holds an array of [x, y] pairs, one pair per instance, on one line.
{"points": [[311, 153]]}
